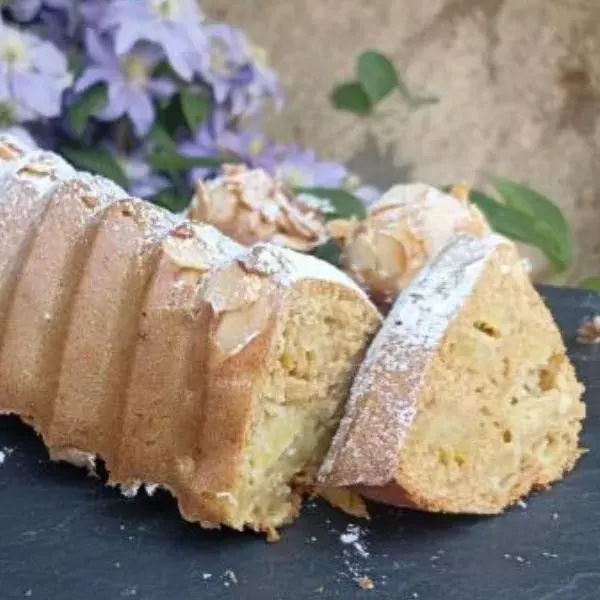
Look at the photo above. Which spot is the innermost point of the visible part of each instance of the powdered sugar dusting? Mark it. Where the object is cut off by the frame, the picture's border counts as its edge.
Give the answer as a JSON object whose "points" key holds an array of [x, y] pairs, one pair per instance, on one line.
{"points": [[287, 267], [200, 247], [365, 447], [26, 185]]}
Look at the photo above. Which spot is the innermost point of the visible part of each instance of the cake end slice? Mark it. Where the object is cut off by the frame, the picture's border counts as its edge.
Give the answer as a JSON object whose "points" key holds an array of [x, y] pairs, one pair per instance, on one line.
{"points": [[466, 401]]}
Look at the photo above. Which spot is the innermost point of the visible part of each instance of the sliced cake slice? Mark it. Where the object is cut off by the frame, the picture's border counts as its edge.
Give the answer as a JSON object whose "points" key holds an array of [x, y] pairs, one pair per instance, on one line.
{"points": [[466, 400], [285, 337]]}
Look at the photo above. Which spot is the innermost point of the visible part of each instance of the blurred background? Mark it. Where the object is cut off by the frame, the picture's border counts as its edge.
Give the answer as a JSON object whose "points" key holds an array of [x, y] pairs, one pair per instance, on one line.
{"points": [[518, 84]]}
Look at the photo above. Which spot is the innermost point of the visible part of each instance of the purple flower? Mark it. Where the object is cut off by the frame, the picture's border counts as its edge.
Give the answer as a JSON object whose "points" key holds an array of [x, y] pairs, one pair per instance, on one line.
{"points": [[173, 25], [224, 59], [236, 70], [213, 140], [131, 88], [301, 168], [261, 82], [367, 193], [27, 10], [250, 146], [143, 183], [33, 76]]}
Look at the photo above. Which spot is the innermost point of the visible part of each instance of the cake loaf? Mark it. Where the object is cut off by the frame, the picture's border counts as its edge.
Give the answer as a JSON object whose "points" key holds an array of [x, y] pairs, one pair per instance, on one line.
{"points": [[466, 400], [177, 356]]}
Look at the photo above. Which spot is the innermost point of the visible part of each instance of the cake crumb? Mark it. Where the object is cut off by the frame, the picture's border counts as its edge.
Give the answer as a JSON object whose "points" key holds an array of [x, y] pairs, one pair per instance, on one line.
{"points": [[232, 576], [366, 583], [131, 590], [522, 504], [4, 453], [352, 536], [589, 330]]}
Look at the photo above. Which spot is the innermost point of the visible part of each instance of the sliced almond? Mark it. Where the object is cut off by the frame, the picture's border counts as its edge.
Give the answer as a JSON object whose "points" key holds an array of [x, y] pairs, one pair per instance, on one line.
{"points": [[233, 288], [221, 205], [89, 201], [391, 255], [295, 243], [37, 170], [461, 191], [304, 224], [237, 328], [9, 152], [187, 253], [342, 229], [362, 253], [198, 210]]}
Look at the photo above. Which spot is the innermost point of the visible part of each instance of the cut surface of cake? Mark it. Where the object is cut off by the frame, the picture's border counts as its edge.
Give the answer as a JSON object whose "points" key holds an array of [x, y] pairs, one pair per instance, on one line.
{"points": [[466, 400], [174, 354]]}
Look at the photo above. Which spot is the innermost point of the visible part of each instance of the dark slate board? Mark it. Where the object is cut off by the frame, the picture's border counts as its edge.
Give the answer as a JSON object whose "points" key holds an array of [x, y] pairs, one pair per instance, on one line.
{"points": [[64, 536]]}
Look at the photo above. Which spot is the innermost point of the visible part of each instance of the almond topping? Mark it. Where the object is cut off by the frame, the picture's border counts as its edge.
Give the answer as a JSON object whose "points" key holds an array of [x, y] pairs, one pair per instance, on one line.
{"points": [[238, 328], [233, 288], [250, 206], [35, 170], [8, 151]]}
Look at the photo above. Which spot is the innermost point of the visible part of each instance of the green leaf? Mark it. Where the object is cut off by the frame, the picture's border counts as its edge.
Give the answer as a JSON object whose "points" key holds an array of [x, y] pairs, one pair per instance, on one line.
{"points": [[75, 60], [171, 161], [195, 105], [350, 96], [159, 139], [96, 160], [171, 200], [376, 75], [329, 252], [519, 226], [344, 203], [80, 111], [170, 116], [591, 283], [547, 219], [164, 69]]}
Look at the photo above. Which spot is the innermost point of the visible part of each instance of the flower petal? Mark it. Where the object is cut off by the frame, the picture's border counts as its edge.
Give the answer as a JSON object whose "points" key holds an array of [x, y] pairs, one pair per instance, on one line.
{"points": [[141, 112], [162, 87]]}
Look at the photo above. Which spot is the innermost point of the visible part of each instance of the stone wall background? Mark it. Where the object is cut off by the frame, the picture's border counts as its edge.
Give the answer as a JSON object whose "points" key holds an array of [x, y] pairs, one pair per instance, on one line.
{"points": [[519, 83]]}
